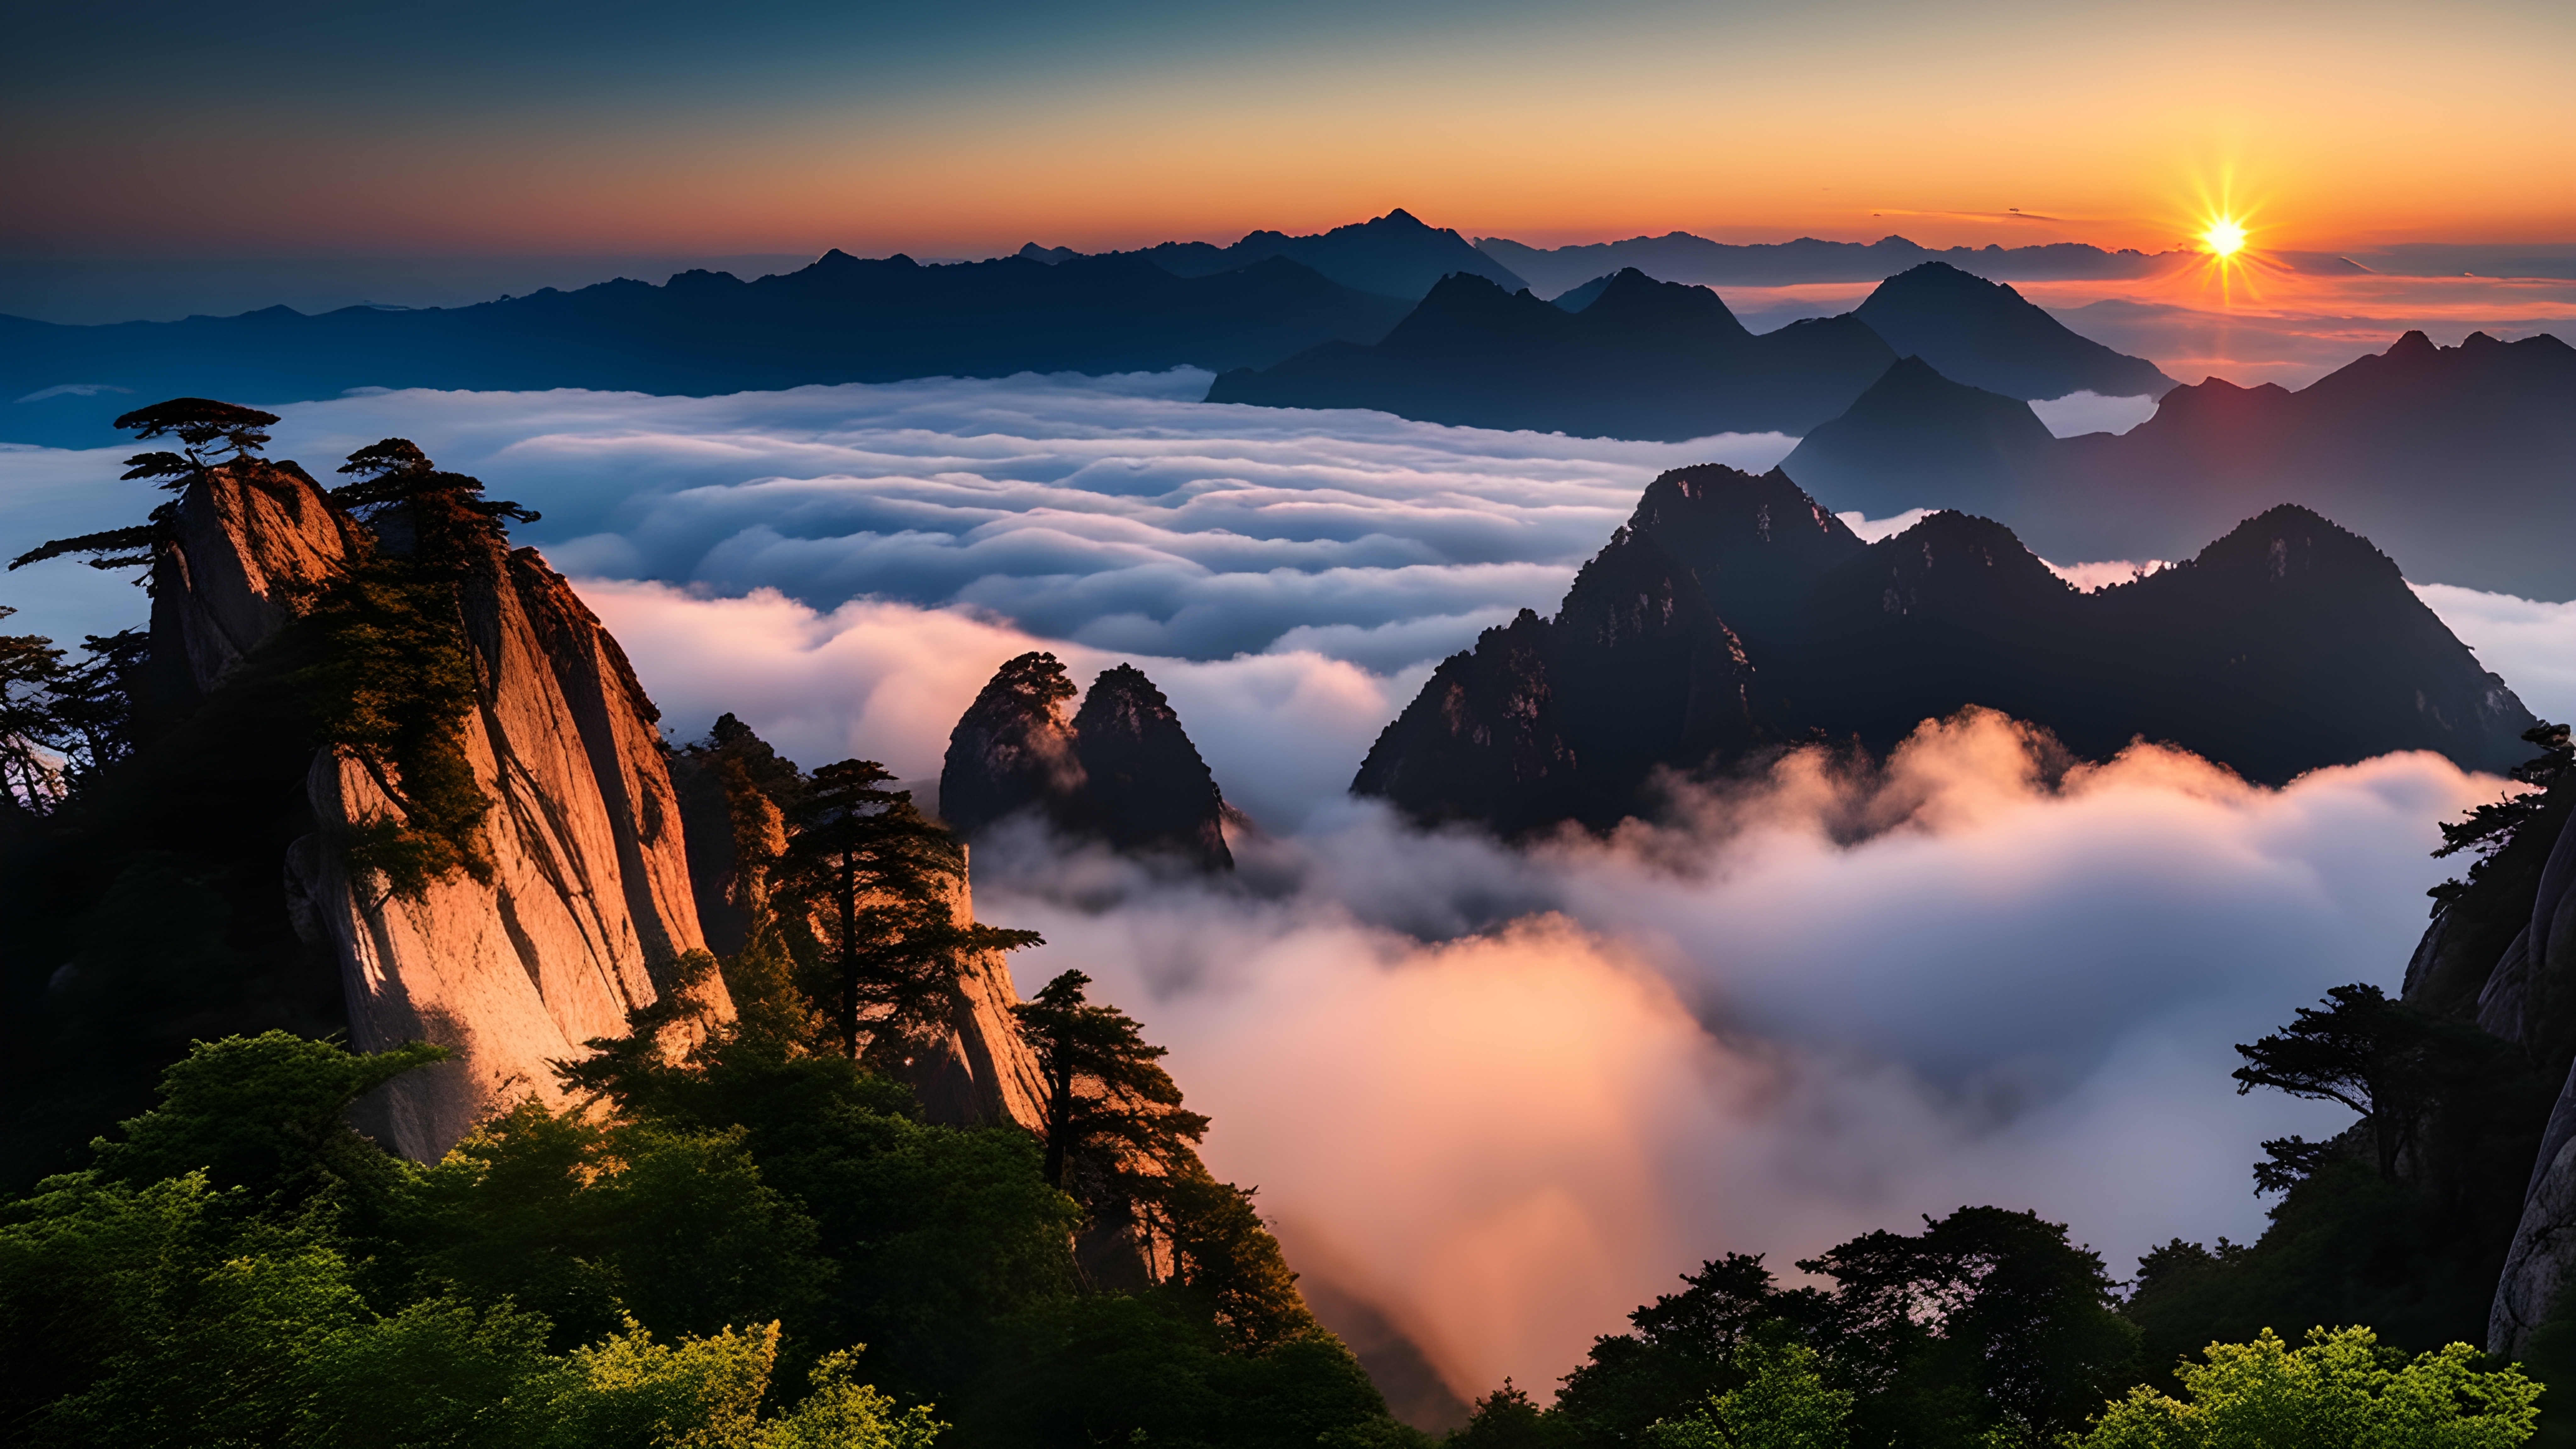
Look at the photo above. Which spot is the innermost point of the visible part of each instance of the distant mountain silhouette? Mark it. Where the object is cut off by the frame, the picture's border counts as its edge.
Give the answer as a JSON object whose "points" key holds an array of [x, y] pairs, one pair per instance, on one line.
{"points": [[1394, 255], [2458, 460], [1917, 434], [1640, 358], [1734, 614], [1984, 334], [1647, 359], [840, 320], [1681, 257]]}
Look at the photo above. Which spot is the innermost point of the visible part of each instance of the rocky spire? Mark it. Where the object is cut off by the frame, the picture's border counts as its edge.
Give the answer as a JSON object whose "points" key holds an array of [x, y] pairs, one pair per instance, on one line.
{"points": [[1122, 771], [1144, 787], [1012, 749], [585, 912]]}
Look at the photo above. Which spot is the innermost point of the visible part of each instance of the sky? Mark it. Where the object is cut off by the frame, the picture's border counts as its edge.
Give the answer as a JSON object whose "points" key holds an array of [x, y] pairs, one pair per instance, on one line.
{"points": [[327, 130], [1502, 1096]]}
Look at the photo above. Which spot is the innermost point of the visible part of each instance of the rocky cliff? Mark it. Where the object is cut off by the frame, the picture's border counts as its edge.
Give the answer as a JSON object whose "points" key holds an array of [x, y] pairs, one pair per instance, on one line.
{"points": [[735, 793], [587, 907], [1734, 613], [2529, 979], [1122, 771]]}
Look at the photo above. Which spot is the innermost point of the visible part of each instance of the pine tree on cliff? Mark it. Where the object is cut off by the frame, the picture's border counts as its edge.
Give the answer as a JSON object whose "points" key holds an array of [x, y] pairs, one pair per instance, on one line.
{"points": [[1119, 1142], [878, 878], [1108, 1098], [30, 667], [211, 434]]}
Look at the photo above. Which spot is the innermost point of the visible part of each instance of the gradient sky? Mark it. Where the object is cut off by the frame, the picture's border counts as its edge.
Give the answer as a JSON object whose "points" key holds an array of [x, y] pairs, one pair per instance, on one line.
{"points": [[309, 129]]}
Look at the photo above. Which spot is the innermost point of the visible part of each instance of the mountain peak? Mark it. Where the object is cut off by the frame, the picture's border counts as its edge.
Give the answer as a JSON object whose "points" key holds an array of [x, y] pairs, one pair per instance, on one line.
{"points": [[1122, 771], [1987, 334]]}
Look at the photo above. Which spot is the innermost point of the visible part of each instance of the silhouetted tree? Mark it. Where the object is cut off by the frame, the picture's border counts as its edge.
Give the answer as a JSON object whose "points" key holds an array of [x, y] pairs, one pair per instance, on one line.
{"points": [[880, 880], [1108, 1097], [30, 668], [2490, 828], [210, 433], [437, 517], [2383, 1059]]}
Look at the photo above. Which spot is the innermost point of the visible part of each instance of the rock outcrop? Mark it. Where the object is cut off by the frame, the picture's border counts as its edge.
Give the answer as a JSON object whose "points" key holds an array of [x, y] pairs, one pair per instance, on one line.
{"points": [[1122, 771], [734, 791], [588, 907], [1733, 613], [2542, 1261]]}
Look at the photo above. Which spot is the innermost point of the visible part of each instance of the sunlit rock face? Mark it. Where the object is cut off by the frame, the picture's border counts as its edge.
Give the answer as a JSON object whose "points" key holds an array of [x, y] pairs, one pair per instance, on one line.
{"points": [[245, 539], [1121, 772], [589, 906]]}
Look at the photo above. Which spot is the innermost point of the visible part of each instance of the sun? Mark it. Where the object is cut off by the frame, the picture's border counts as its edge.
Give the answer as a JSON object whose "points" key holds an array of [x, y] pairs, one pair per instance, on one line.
{"points": [[2225, 237]]}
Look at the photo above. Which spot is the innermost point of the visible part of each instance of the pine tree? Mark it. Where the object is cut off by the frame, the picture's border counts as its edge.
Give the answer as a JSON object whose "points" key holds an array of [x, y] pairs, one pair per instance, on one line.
{"points": [[1110, 1104], [878, 879]]}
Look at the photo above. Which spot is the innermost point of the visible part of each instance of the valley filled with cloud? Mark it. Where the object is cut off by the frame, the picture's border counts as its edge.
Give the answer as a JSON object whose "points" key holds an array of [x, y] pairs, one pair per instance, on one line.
{"points": [[1824, 1000]]}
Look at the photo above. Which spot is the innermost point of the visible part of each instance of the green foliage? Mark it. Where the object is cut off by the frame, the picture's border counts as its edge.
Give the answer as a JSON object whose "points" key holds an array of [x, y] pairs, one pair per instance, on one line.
{"points": [[1508, 1418], [2339, 1391], [392, 685], [941, 1233], [1782, 1402], [1987, 1328], [175, 1310], [591, 1224], [204, 427], [1986, 1319], [1149, 1368], [1680, 1353], [201, 425], [263, 1114]]}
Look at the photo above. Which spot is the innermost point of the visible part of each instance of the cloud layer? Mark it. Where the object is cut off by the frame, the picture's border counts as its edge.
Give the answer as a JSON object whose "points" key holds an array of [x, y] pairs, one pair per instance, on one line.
{"points": [[1505, 1094]]}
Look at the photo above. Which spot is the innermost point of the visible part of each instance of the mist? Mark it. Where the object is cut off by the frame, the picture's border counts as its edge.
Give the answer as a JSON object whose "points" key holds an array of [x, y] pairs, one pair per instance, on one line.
{"points": [[1504, 1095]]}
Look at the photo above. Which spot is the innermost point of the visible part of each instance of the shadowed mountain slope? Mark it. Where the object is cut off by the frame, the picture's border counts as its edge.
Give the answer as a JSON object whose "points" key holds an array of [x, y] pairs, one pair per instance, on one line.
{"points": [[1122, 771], [1917, 434], [1986, 335], [1646, 359], [840, 320], [2458, 460], [1733, 613], [1626, 356]]}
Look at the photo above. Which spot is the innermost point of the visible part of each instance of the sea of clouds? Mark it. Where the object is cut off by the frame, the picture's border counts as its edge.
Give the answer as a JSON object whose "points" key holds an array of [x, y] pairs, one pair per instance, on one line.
{"points": [[1505, 1095]]}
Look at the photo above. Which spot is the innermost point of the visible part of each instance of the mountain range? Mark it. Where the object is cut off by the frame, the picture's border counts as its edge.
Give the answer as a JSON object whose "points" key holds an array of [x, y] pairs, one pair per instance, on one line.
{"points": [[2457, 459], [1733, 614], [841, 319], [1639, 358], [1395, 255], [1681, 257]]}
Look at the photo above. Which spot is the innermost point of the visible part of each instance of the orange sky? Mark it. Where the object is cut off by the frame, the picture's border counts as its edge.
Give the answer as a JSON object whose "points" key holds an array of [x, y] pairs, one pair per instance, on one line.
{"points": [[2342, 126]]}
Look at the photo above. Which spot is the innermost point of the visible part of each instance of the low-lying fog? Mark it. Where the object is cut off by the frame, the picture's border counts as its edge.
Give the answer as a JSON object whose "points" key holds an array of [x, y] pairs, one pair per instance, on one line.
{"points": [[1506, 1095]]}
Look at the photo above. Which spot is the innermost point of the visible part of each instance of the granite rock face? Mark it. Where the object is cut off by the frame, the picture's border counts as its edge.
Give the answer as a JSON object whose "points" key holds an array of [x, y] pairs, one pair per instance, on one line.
{"points": [[2542, 1261], [1122, 771], [246, 539], [589, 907]]}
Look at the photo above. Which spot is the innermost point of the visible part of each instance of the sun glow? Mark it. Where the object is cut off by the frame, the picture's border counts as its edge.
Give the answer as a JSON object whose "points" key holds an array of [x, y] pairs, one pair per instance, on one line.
{"points": [[2225, 237]]}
